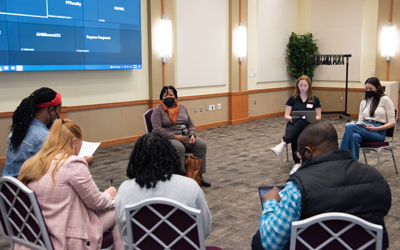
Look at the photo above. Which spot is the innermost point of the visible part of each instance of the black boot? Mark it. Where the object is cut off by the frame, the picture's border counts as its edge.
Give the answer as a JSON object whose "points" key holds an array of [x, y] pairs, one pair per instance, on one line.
{"points": [[204, 183]]}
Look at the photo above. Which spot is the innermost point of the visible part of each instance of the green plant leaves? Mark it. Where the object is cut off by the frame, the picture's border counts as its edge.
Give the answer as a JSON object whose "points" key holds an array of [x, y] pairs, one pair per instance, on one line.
{"points": [[299, 49]]}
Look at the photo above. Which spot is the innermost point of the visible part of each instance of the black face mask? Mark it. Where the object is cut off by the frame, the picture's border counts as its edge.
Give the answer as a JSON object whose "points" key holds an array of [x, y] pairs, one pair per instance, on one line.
{"points": [[52, 122], [370, 93], [169, 101]]}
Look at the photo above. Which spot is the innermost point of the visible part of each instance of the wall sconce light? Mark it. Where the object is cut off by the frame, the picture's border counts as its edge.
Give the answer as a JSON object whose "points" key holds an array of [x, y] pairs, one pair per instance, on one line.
{"points": [[241, 41], [388, 41], [166, 38]]}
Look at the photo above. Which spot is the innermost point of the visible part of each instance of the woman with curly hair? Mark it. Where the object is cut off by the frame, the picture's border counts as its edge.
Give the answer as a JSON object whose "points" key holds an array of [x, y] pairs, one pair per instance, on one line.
{"points": [[154, 170]]}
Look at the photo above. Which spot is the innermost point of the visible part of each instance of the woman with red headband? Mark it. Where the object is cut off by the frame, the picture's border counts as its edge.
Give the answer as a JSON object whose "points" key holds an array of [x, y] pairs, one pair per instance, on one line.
{"points": [[30, 127]]}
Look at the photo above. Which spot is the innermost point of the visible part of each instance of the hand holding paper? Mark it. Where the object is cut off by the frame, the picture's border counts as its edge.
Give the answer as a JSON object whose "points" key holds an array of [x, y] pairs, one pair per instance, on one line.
{"points": [[88, 148]]}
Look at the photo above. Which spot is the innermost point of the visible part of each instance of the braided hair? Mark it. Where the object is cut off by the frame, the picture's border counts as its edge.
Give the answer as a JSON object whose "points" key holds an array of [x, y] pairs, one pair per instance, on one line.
{"points": [[153, 158], [25, 113]]}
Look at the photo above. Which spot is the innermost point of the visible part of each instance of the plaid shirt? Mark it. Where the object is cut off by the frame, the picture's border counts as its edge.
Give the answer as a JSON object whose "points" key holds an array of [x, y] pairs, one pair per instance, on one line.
{"points": [[276, 219]]}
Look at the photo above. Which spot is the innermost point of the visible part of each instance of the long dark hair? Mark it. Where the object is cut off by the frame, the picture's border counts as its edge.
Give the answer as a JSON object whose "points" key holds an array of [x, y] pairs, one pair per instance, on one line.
{"points": [[25, 112], [153, 158], [379, 93]]}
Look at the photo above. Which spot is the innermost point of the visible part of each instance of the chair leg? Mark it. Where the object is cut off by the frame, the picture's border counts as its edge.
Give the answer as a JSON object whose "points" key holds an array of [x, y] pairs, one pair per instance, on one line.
{"points": [[379, 155], [394, 161], [281, 159], [365, 157], [287, 152]]}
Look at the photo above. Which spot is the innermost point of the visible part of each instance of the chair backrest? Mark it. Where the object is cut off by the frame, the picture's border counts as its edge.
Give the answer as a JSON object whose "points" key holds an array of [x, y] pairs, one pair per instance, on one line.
{"points": [[162, 223], [335, 231], [147, 120], [390, 132], [21, 217]]}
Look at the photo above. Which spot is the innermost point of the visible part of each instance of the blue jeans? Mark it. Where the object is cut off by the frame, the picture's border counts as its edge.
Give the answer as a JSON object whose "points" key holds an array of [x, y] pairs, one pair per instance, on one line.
{"points": [[354, 134]]}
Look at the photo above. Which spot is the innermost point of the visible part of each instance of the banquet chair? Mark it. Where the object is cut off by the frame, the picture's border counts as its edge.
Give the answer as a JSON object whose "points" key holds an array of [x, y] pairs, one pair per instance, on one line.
{"points": [[147, 121], [287, 153], [162, 223], [22, 220], [335, 231], [21, 217], [379, 147]]}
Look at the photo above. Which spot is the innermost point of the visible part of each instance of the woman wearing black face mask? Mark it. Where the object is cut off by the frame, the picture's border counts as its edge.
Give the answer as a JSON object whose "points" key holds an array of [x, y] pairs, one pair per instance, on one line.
{"points": [[168, 119], [30, 127], [377, 111]]}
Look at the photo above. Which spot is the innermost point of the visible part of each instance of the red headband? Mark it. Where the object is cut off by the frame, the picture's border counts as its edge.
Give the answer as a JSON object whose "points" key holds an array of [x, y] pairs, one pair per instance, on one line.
{"points": [[56, 101]]}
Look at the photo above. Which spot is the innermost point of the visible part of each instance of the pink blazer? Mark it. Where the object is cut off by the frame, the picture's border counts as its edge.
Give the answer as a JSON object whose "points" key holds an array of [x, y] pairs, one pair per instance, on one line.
{"points": [[69, 205]]}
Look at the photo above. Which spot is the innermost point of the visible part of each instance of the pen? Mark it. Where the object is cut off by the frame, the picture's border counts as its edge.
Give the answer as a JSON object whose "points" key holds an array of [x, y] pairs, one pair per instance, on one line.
{"points": [[111, 182]]}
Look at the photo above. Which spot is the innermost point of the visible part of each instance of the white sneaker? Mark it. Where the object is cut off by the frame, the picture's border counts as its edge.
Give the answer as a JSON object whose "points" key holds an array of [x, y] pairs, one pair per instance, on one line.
{"points": [[295, 168], [277, 149]]}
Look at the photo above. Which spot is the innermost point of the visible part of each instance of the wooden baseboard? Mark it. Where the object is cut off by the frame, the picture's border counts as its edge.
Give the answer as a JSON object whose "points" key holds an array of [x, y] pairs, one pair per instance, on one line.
{"points": [[258, 117], [212, 125], [119, 141], [3, 161], [239, 121]]}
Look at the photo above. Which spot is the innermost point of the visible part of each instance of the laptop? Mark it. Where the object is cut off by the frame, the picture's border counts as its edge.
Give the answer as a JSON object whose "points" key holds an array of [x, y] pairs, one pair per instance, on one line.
{"points": [[308, 115], [264, 190]]}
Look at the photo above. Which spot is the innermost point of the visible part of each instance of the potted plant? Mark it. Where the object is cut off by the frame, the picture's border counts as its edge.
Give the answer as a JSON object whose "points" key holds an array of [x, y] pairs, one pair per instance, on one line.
{"points": [[299, 49]]}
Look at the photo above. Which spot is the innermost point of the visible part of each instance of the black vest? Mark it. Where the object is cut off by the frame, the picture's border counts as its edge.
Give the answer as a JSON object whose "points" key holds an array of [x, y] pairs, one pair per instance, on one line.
{"points": [[334, 182]]}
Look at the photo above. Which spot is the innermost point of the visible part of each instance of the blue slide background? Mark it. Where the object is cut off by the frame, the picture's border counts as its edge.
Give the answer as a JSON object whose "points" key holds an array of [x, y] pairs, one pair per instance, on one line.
{"points": [[22, 22]]}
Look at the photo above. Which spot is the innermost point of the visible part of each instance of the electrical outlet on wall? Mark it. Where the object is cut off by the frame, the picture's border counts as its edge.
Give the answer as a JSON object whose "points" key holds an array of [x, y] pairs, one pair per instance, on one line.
{"points": [[219, 106], [212, 107], [341, 98], [195, 109], [201, 108], [206, 107]]}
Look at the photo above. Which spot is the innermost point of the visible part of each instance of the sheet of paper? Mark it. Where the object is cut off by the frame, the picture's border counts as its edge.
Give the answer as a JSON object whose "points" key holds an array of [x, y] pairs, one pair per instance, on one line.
{"points": [[88, 148]]}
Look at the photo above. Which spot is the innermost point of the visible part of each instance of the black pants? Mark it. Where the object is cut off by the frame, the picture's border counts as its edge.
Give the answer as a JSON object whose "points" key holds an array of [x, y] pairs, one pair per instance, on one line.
{"points": [[293, 130]]}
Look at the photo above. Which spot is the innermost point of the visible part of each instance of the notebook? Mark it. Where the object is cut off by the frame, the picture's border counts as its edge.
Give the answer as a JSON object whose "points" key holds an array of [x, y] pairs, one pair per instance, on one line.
{"points": [[308, 115], [264, 190]]}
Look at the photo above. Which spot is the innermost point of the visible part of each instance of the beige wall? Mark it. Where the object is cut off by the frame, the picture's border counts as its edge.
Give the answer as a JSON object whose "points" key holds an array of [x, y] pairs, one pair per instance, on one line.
{"points": [[207, 117], [98, 87], [268, 102], [110, 123]]}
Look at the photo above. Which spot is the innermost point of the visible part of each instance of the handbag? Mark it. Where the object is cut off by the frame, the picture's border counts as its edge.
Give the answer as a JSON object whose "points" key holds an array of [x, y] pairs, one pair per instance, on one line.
{"points": [[192, 168]]}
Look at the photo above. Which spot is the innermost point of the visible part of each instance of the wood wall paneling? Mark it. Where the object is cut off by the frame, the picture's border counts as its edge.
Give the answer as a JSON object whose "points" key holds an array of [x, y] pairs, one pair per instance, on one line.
{"points": [[110, 123], [5, 124], [383, 19], [238, 108]]}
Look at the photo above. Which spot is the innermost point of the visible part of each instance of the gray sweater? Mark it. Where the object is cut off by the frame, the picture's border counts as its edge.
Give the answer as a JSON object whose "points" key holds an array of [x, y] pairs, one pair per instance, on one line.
{"points": [[163, 125], [179, 188]]}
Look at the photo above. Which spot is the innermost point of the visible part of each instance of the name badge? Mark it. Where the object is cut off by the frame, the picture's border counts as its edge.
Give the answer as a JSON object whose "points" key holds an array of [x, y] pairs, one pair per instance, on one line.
{"points": [[309, 106]]}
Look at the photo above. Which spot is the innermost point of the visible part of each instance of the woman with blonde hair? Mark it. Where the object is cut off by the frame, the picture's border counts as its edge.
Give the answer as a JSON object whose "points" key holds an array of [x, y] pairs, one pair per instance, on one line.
{"points": [[302, 99], [66, 192]]}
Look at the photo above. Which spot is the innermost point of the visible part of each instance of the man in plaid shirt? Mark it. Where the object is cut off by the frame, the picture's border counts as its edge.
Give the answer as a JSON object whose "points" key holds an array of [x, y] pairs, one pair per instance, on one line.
{"points": [[329, 180]]}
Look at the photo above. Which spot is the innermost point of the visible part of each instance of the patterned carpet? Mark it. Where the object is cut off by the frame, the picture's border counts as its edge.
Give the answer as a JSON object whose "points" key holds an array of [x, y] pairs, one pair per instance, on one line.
{"points": [[239, 161]]}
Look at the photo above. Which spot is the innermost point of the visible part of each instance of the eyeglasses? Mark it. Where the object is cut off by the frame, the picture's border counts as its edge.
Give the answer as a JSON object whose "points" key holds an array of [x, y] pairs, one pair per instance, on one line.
{"points": [[301, 151]]}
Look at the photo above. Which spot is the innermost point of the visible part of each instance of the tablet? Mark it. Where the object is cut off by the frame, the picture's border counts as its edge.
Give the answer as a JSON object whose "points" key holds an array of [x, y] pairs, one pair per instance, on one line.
{"points": [[264, 190]]}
